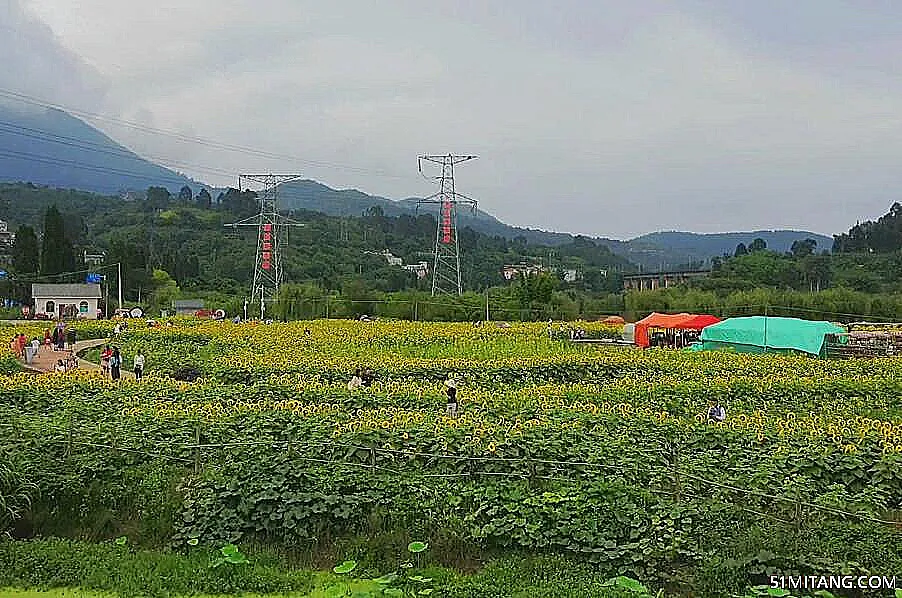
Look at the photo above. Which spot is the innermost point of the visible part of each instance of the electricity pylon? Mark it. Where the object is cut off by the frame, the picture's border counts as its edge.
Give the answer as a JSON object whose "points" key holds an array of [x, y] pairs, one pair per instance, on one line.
{"points": [[446, 264], [272, 234]]}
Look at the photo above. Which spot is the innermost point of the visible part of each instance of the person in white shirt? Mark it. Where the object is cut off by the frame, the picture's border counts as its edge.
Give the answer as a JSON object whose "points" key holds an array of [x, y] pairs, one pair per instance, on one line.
{"points": [[716, 412], [139, 365], [451, 391], [356, 381]]}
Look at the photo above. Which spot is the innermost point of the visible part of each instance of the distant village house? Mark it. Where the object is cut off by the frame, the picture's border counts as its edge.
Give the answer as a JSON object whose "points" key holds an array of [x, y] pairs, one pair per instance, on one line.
{"points": [[421, 269], [512, 271], [187, 307], [66, 300]]}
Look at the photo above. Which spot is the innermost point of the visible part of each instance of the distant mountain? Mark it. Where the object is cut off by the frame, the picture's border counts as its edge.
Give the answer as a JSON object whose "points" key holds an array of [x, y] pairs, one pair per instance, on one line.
{"points": [[674, 247], [51, 147], [316, 197], [654, 251]]}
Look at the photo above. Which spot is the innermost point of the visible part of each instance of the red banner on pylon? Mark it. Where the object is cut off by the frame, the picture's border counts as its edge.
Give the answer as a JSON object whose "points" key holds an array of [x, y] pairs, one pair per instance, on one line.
{"points": [[446, 222]]}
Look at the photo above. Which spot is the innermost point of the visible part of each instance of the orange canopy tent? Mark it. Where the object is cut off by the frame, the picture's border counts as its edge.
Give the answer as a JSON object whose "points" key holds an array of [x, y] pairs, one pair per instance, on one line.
{"points": [[681, 321]]}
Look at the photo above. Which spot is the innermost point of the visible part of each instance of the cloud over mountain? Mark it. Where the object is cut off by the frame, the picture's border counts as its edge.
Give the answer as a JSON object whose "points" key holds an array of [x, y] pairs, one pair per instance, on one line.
{"points": [[36, 63]]}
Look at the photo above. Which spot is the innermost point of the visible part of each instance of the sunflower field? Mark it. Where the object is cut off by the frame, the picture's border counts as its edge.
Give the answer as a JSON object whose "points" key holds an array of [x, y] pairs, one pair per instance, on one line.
{"points": [[600, 454]]}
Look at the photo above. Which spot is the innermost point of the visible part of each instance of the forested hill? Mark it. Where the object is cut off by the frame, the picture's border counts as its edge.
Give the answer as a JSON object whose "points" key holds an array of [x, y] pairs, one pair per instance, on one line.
{"points": [[186, 238], [881, 236], [686, 247], [50, 147], [654, 251]]}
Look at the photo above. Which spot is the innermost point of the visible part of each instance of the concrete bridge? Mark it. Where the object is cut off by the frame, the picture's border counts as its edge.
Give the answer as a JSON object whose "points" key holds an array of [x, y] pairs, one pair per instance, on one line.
{"points": [[660, 280]]}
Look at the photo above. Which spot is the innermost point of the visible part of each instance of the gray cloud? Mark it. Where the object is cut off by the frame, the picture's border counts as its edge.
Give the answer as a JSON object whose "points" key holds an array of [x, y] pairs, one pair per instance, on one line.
{"points": [[606, 118], [36, 63]]}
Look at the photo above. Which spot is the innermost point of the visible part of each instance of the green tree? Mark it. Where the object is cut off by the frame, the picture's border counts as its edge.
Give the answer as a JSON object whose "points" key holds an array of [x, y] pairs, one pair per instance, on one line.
{"points": [[25, 251], [758, 244], [185, 194], [535, 291], [57, 253], [157, 197], [204, 199], [804, 248], [164, 290]]}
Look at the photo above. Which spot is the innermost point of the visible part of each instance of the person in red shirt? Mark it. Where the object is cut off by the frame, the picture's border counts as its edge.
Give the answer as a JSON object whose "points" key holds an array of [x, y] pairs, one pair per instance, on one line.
{"points": [[105, 357]]}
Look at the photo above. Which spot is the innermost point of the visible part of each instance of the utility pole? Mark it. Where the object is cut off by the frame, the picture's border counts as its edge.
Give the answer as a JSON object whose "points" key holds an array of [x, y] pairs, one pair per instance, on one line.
{"points": [[272, 233], [446, 265], [119, 278]]}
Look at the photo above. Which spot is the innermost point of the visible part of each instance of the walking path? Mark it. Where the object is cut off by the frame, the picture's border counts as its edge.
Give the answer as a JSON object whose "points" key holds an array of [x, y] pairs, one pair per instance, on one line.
{"points": [[45, 360]]}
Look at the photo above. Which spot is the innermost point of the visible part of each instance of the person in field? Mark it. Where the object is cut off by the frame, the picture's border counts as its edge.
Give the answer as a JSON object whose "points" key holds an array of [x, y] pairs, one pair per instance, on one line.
{"points": [[356, 380], [451, 391], [716, 412], [60, 366], [105, 356], [139, 365], [115, 364], [367, 376]]}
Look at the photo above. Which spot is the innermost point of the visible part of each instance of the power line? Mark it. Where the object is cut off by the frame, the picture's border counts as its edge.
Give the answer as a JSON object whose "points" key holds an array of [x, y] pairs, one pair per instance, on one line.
{"points": [[27, 99], [102, 149], [89, 167]]}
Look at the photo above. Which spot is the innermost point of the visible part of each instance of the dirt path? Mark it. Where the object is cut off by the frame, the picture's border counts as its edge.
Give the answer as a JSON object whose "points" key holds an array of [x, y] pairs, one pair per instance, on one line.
{"points": [[45, 360]]}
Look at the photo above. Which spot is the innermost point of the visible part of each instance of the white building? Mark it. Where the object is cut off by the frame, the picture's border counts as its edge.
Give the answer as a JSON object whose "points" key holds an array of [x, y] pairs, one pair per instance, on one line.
{"points": [[421, 269], [512, 271], [571, 275], [66, 300], [7, 237]]}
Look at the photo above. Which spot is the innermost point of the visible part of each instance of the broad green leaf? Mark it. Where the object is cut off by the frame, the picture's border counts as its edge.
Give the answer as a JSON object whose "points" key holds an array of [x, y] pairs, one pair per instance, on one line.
{"points": [[345, 567], [336, 591], [386, 579], [627, 583], [416, 547], [193, 541]]}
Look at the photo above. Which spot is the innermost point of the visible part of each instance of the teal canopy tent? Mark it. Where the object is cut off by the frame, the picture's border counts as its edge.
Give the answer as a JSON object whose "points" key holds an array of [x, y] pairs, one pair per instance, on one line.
{"points": [[757, 334]]}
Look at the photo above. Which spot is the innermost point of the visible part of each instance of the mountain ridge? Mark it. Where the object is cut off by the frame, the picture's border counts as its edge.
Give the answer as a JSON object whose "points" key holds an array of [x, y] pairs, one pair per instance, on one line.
{"points": [[48, 146]]}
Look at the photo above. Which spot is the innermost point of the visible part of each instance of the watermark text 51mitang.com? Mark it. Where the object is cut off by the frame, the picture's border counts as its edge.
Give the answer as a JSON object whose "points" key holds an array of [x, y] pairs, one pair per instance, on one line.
{"points": [[836, 582]]}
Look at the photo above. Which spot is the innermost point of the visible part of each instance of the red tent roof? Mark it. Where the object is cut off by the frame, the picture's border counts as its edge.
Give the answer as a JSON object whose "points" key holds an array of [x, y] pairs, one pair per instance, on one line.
{"points": [[700, 321], [682, 321]]}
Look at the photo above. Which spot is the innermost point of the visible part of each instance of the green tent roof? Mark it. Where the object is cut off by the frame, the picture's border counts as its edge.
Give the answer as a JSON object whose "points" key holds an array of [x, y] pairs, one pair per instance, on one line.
{"points": [[781, 333]]}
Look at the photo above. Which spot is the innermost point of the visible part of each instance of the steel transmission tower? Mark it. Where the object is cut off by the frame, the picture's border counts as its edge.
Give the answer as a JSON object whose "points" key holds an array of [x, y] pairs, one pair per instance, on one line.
{"points": [[272, 233], [446, 266]]}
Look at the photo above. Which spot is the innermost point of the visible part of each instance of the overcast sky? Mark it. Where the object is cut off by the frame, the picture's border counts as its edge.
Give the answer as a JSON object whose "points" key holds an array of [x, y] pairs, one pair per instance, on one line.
{"points": [[605, 117]]}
